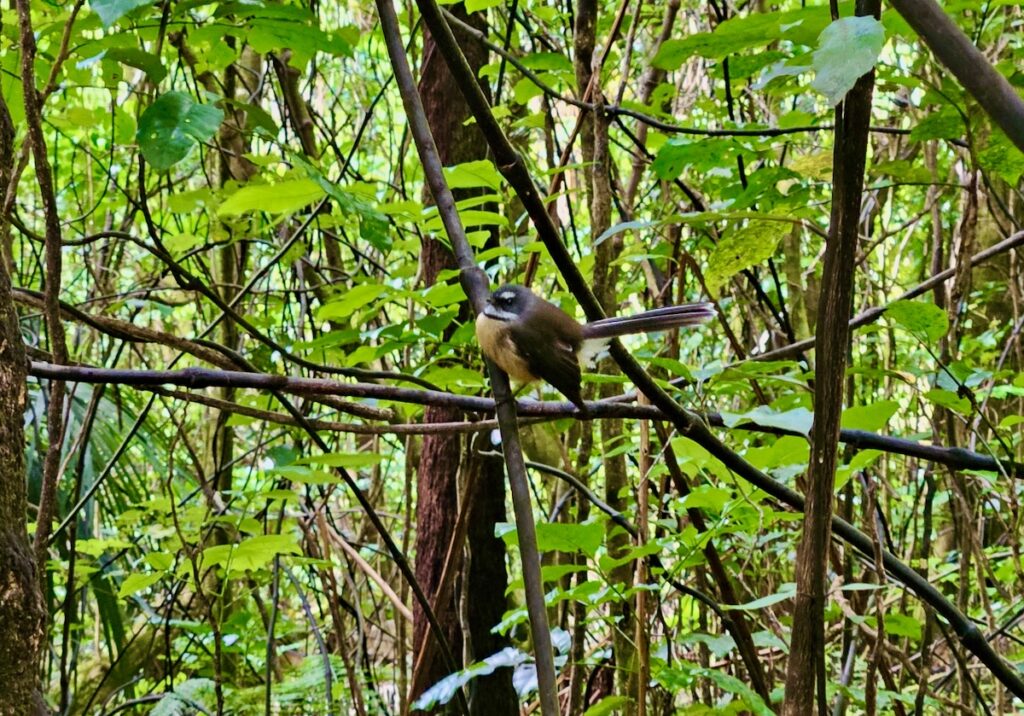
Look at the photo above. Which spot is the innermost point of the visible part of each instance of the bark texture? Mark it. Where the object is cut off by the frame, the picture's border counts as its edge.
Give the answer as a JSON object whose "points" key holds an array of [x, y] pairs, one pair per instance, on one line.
{"points": [[806, 667], [22, 611]]}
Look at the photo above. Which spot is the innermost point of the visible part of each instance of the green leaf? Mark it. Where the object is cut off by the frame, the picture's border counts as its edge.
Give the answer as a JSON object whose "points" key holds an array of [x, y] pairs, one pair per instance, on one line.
{"points": [[354, 299], [949, 399], [742, 249], [180, 243], [140, 59], [1002, 156], [847, 50], [719, 644], [797, 420], [570, 538], [788, 591], [947, 123], [684, 674], [96, 547], [608, 705], [136, 582], [281, 198], [304, 475], [872, 417], [903, 625], [251, 553], [681, 153], [925, 320], [172, 125], [444, 690], [110, 11], [345, 459], [608, 563], [744, 32], [303, 39], [621, 227], [708, 497], [548, 62], [478, 5], [473, 175], [189, 697]]}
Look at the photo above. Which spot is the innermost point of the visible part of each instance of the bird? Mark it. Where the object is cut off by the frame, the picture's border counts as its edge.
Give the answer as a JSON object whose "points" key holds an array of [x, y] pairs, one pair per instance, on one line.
{"points": [[533, 339]]}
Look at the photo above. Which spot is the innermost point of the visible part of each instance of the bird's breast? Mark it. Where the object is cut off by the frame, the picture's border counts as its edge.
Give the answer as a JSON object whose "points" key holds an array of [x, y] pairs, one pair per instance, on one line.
{"points": [[496, 342]]}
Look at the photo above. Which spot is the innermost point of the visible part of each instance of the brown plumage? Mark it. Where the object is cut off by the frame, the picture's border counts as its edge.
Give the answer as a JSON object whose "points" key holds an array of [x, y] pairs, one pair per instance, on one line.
{"points": [[532, 339]]}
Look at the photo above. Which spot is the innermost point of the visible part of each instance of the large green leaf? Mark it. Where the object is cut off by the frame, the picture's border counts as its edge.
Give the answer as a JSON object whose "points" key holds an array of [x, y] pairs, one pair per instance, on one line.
{"points": [[172, 125], [351, 301], [869, 417], [281, 198], [847, 49], [742, 249], [110, 11], [925, 320], [140, 59], [758, 29], [564, 537]]}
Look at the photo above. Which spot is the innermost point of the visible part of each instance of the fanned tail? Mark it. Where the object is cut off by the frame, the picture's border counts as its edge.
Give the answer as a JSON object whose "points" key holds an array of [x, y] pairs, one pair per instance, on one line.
{"points": [[658, 319]]}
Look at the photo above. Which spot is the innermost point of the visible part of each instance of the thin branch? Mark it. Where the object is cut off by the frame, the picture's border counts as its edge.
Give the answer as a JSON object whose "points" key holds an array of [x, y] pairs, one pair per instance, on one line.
{"points": [[474, 282], [321, 389], [54, 263]]}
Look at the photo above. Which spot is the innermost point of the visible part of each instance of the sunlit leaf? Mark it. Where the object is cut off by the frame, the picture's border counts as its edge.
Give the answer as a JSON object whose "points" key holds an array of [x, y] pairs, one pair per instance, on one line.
{"points": [[847, 49], [281, 198]]}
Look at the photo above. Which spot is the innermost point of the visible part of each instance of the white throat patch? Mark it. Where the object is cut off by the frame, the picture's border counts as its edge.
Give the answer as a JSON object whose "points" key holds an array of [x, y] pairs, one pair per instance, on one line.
{"points": [[498, 314]]}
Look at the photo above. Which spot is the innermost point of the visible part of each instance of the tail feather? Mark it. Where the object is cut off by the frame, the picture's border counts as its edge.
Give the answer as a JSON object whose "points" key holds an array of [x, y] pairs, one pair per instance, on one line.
{"points": [[658, 319]]}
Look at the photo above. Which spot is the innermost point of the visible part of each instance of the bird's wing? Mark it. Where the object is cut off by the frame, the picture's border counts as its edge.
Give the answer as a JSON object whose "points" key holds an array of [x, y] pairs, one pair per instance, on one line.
{"points": [[555, 362]]}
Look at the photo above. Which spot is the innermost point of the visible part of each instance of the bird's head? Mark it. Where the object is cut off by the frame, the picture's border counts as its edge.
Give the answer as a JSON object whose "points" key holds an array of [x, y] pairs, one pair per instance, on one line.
{"points": [[508, 303]]}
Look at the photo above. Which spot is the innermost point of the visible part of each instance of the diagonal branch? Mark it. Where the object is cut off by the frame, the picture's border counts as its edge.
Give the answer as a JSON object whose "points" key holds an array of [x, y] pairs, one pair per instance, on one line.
{"points": [[475, 283]]}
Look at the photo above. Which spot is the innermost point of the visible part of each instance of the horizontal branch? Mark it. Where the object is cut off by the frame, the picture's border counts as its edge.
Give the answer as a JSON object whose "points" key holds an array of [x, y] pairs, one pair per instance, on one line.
{"points": [[198, 378]]}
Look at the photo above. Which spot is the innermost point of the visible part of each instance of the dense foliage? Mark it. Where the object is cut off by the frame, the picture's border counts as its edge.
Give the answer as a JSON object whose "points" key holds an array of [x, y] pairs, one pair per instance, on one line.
{"points": [[238, 190]]}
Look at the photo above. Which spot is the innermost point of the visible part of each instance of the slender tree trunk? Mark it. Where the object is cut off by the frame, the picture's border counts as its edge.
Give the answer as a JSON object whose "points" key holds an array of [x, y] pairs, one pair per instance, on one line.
{"points": [[22, 610], [806, 668]]}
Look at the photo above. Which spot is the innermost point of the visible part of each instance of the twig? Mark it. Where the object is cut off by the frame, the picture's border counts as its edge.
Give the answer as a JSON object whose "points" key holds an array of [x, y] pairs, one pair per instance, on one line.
{"points": [[872, 314], [51, 300]]}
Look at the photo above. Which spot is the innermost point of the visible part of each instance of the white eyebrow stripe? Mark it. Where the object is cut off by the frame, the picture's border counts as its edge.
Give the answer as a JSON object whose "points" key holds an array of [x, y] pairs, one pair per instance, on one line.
{"points": [[506, 295]]}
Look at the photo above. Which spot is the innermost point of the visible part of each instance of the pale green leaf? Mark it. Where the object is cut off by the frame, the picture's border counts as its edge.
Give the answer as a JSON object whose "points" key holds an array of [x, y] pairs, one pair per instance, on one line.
{"points": [[742, 249], [110, 11], [281, 198], [925, 320], [136, 582], [351, 301], [847, 50], [872, 417], [608, 705]]}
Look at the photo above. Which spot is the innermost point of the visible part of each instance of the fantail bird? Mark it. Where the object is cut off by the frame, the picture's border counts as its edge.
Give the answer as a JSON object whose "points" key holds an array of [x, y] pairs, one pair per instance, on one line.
{"points": [[532, 339]]}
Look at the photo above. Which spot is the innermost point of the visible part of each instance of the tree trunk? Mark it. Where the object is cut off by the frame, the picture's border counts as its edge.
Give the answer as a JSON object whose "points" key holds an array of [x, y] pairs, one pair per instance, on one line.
{"points": [[22, 610], [437, 506]]}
